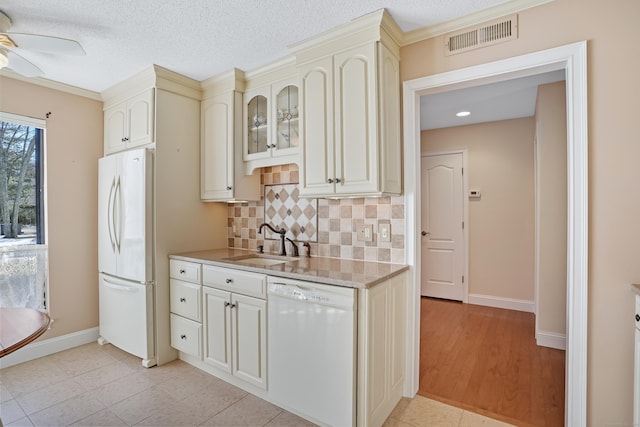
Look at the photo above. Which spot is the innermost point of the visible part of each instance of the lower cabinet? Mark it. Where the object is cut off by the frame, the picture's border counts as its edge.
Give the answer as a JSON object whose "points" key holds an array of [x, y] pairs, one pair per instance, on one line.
{"points": [[235, 323], [235, 338]]}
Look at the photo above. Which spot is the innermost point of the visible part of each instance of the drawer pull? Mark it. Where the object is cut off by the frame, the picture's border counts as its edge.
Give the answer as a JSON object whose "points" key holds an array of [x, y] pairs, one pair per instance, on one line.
{"points": [[183, 271], [182, 299], [227, 303], [229, 281], [183, 337]]}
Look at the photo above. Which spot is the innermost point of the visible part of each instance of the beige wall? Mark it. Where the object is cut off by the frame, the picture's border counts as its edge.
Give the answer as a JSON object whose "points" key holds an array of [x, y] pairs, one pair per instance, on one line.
{"points": [[501, 223], [614, 229], [73, 145], [551, 158]]}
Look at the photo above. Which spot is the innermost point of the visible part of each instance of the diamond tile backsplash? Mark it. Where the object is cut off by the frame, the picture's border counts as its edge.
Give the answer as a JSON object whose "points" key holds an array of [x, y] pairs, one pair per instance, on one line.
{"points": [[335, 225], [284, 209]]}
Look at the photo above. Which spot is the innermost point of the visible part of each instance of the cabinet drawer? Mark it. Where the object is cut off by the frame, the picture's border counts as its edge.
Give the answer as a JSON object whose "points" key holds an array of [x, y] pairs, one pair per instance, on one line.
{"points": [[186, 335], [241, 282], [185, 299], [183, 270]]}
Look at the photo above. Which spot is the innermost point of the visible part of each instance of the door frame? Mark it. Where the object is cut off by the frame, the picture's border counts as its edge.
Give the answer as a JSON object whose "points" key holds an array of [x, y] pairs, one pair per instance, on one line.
{"points": [[465, 213], [571, 58]]}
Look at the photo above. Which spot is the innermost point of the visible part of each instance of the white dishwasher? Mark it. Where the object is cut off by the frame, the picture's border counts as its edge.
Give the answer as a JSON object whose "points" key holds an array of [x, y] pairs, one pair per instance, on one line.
{"points": [[312, 350]]}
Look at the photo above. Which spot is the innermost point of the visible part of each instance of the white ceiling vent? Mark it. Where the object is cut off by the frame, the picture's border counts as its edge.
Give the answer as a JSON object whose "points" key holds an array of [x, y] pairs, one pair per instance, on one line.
{"points": [[486, 34]]}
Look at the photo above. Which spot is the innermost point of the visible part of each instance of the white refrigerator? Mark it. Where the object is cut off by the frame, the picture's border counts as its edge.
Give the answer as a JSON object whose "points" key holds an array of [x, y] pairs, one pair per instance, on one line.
{"points": [[125, 253]]}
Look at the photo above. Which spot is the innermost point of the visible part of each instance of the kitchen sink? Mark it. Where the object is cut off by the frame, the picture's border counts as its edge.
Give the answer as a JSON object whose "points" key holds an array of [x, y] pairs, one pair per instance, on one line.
{"points": [[257, 260]]}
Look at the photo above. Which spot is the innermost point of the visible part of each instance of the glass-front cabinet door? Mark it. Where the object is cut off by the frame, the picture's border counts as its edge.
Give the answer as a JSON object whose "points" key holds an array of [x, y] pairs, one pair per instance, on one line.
{"points": [[286, 106], [257, 135], [271, 119]]}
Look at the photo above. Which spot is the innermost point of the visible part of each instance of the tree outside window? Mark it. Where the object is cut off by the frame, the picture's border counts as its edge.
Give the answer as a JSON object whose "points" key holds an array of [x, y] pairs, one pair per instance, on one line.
{"points": [[23, 254], [20, 175]]}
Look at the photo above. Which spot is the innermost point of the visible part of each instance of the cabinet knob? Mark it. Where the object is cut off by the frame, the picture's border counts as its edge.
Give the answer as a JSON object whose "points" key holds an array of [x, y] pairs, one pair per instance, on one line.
{"points": [[637, 317], [125, 139], [228, 187], [233, 306], [337, 180], [330, 181], [183, 337], [183, 271], [229, 281], [183, 299]]}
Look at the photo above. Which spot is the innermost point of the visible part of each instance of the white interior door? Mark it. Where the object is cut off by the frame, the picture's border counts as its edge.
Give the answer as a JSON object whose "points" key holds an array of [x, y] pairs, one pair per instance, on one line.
{"points": [[443, 245]]}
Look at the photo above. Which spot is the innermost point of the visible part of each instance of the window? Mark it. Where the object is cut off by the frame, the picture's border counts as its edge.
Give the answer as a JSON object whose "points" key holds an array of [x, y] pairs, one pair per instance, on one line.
{"points": [[23, 250]]}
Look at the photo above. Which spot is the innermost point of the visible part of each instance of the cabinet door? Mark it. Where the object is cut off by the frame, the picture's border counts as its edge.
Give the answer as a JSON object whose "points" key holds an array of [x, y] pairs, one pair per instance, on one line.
{"points": [[316, 128], [257, 120], [216, 155], [140, 110], [285, 134], [115, 120], [356, 121], [216, 313], [250, 339]]}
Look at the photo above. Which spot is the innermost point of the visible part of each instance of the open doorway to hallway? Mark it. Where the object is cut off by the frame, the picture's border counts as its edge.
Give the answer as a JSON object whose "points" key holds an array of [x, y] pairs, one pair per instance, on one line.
{"points": [[572, 59]]}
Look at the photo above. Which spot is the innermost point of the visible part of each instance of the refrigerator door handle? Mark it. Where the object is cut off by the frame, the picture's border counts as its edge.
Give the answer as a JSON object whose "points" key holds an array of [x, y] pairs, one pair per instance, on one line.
{"points": [[110, 216], [117, 216], [117, 287]]}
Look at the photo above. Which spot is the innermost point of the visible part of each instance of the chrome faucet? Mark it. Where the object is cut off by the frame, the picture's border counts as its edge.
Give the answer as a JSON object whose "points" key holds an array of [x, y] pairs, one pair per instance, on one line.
{"points": [[280, 231]]}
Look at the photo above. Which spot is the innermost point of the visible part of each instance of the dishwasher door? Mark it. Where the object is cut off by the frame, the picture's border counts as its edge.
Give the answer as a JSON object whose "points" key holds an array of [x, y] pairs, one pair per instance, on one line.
{"points": [[312, 350]]}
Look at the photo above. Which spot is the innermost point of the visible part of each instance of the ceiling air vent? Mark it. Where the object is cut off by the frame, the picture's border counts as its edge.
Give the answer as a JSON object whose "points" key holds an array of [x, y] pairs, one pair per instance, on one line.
{"points": [[486, 34]]}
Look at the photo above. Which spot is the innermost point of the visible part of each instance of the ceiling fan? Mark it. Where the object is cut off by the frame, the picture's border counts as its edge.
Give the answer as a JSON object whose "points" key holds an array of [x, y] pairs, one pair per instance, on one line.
{"points": [[10, 42]]}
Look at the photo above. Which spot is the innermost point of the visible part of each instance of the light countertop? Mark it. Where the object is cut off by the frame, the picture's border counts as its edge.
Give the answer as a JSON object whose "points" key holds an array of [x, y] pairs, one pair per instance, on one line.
{"points": [[330, 271]]}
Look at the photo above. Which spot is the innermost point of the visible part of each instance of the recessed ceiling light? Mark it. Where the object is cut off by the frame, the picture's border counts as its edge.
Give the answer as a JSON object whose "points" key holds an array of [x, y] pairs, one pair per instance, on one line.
{"points": [[463, 114]]}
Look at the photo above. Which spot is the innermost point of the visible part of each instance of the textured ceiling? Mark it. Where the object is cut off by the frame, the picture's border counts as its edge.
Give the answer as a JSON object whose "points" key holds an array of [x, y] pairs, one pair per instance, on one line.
{"points": [[197, 38]]}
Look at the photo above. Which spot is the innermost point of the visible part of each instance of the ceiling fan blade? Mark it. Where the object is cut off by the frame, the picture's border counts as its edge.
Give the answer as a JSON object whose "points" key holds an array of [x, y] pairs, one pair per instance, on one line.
{"points": [[47, 44], [23, 66]]}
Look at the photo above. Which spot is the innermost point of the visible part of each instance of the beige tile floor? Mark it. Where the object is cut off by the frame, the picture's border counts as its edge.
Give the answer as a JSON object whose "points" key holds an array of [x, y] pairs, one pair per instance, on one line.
{"points": [[94, 385]]}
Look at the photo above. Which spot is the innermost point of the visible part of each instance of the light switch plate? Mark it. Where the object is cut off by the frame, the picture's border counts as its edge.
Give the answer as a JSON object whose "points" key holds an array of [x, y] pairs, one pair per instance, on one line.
{"points": [[384, 232], [365, 232]]}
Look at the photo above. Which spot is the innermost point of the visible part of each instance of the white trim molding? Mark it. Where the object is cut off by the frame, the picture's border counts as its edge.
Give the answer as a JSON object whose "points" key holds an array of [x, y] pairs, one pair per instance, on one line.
{"points": [[40, 81], [500, 302], [551, 340], [572, 59], [43, 348]]}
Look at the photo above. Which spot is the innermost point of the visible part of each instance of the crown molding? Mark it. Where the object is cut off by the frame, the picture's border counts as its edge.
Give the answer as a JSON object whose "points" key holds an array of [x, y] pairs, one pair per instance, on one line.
{"points": [[50, 84], [479, 17]]}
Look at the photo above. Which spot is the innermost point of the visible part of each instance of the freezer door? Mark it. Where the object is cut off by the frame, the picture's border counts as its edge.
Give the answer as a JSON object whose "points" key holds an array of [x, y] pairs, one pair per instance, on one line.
{"points": [[126, 317]]}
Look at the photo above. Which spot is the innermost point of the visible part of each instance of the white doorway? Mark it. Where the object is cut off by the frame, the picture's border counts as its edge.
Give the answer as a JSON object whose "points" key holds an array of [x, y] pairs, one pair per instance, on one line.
{"points": [[572, 59], [443, 226]]}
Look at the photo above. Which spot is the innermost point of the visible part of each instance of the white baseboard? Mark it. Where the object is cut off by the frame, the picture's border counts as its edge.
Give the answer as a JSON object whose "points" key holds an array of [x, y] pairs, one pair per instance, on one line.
{"points": [[499, 302], [552, 340], [50, 346]]}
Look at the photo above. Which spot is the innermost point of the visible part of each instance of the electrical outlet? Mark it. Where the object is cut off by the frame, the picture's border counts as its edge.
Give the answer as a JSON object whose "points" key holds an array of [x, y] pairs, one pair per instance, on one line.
{"points": [[384, 232], [365, 232]]}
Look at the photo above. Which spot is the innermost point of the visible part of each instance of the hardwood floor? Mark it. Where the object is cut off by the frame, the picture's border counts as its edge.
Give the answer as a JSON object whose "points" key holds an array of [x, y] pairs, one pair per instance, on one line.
{"points": [[486, 360]]}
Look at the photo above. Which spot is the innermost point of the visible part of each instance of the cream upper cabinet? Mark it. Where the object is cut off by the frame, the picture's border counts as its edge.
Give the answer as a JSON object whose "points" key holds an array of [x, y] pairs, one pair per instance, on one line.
{"points": [[350, 111], [222, 172], [271, 120], [129, 123], [350, 124]]}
